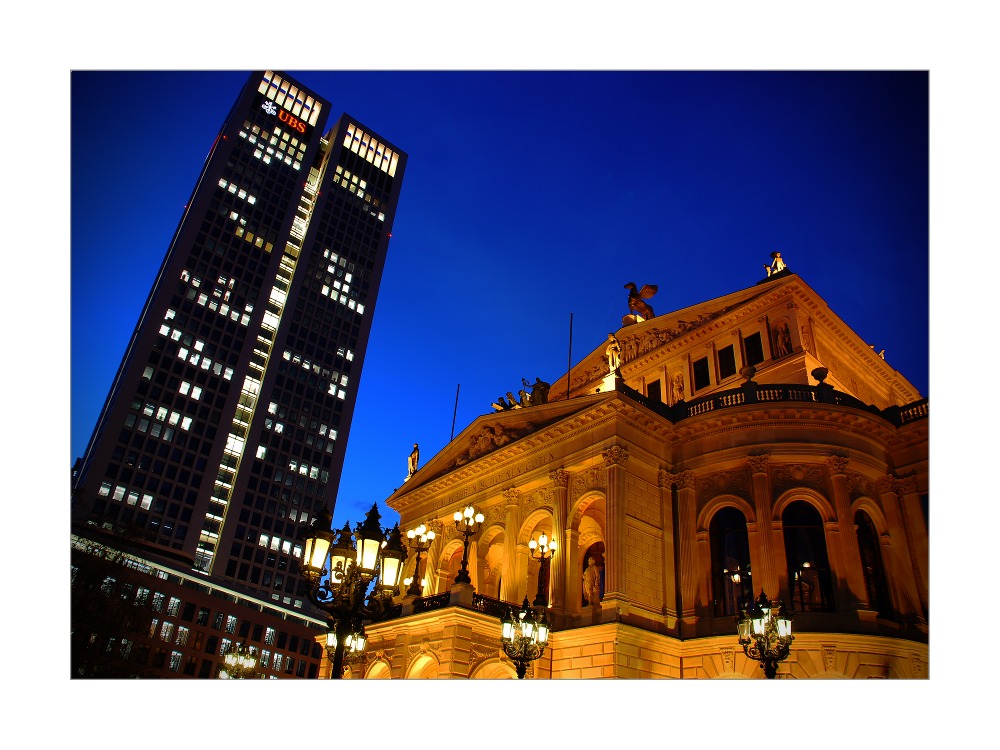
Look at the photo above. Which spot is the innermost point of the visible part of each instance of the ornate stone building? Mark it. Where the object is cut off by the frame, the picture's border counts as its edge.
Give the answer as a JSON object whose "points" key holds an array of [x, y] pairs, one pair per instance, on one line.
{"points": [[752, 442]]}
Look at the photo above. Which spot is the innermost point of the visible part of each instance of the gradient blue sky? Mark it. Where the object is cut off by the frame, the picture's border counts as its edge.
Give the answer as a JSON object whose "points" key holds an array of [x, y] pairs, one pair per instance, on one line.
{"points": [[529, 196]]}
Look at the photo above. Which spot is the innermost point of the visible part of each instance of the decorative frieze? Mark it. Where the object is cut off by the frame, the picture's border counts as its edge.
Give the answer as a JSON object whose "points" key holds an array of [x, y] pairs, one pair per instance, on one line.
{"points": [[787, 476], [860, 486], [728, 654], [723, 483], [886, 484], [829, 657], [906, 485], [592, 479], [483, 649]]}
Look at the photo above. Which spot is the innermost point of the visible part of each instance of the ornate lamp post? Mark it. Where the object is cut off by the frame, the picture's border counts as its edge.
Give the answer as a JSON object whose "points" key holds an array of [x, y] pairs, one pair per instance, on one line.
{"points": [[354, 646], [419, 540], [241, 664], [369, 556], [542, 550], [765, 632], [524, 636], [468, 523]]}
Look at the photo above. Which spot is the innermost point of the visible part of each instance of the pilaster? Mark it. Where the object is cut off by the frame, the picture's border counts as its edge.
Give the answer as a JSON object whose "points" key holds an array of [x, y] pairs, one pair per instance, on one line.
{"points": [[903, 577], [686, 529], [916, 533], [850, 571], [764, 567], [561, 561], [508, 574], [669, 572], [614, 558]]}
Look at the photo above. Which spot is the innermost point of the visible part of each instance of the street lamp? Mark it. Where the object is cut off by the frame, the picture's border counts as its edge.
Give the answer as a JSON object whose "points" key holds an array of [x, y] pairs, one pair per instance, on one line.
{"points": [[524, 636], [354, 646], [419, 540], [240, 662], [765, 632], [369, 555], [467, 522], [542, 550]]}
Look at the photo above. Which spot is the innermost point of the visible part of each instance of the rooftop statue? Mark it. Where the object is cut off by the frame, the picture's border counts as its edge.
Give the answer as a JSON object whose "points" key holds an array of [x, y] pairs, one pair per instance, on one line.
{"points": [[777, 265], [412, 461], [613, 353], [538, 394], [639, 309]]}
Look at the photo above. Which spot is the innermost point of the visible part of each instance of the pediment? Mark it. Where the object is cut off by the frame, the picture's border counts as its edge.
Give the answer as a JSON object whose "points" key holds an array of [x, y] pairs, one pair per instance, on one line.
{"points": [[491, 432], [644, 338]]}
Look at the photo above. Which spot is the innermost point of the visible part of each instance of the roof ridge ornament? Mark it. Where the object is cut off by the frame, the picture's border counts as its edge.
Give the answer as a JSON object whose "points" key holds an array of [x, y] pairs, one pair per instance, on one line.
{"points": [[777, 265], [639, 309]]}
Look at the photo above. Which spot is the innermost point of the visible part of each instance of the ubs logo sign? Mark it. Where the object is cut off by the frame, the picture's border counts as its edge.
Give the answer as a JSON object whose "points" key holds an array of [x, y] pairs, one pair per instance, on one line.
{"points": [[293, 122]]}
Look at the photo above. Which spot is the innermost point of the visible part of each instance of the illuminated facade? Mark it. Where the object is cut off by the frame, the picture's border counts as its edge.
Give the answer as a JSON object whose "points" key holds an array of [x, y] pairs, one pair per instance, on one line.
{"points": [[691, 483], [225, 428]]}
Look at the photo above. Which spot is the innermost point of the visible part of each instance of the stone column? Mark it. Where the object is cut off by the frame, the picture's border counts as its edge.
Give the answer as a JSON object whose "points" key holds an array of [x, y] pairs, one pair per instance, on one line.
{"points": [[508, 574], [902, 576], [560, 562], [615, 545], [669, 569], [686, 530], [916, 533], [473, 564], [851, 575], [522, 557], [574, 574], [765, 566]]}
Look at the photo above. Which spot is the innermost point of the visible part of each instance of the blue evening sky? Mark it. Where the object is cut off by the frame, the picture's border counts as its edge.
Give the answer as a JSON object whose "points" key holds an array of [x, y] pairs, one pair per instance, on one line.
{"points": [[529, 196]]}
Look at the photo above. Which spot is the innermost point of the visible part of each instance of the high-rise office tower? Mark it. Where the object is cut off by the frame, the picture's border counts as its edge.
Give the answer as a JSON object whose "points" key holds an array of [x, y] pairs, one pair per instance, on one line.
{"points": [[224, 431]]}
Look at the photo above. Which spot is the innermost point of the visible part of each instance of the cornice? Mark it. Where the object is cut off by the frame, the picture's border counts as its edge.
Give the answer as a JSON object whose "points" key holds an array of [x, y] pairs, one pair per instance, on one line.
{"points": [[508, 456]]}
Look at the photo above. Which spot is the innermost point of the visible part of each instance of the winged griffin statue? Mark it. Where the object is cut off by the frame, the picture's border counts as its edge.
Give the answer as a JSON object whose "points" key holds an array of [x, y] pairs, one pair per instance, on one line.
{"points": [[639, 309]]}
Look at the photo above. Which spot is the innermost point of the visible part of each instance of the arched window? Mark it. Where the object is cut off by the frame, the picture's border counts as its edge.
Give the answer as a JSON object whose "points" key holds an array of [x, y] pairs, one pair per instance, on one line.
{"points": [[732, 589], [871, 563], [809, 576]]}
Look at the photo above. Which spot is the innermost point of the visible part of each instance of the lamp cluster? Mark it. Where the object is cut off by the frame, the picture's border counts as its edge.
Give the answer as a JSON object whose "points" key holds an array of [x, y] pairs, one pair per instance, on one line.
{"points": [[524, 636], [765, 632], [419, 540], [241, 664], [543, 548], [468, 522], [362, 569]]}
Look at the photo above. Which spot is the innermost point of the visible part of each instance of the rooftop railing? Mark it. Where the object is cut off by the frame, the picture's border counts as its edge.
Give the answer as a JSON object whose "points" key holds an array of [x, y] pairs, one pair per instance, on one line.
{"points": [[756, 393]]}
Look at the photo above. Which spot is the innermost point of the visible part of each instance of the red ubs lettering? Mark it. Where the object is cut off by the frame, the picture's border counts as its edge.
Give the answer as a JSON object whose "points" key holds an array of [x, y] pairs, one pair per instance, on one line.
{"points": [[293, 122]]}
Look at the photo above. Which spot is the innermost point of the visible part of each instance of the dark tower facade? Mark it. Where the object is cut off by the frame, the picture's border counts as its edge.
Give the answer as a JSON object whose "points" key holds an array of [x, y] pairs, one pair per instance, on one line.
{"points": [[225, 428]]}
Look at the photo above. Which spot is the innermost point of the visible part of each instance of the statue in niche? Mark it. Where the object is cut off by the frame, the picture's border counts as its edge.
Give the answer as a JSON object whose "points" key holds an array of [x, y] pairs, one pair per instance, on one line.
{"points": [[678, 387], [413, 460], [782, 340], [637, 305], [777, 265], [592, 582], [613, 353]]}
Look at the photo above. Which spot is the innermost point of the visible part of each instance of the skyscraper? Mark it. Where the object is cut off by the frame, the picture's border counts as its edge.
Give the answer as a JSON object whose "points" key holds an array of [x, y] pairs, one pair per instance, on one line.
{"points": [[225, 428]]}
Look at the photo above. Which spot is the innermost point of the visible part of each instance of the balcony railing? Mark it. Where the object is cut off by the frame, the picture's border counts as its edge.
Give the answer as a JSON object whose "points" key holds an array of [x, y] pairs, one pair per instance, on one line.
{"points": [[755, 393]]}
